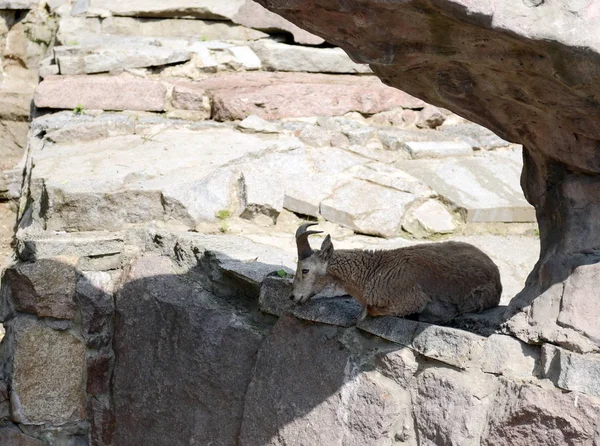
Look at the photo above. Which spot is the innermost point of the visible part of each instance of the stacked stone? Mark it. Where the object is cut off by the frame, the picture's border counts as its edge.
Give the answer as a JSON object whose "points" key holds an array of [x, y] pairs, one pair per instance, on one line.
{"points": [[134, 314]]}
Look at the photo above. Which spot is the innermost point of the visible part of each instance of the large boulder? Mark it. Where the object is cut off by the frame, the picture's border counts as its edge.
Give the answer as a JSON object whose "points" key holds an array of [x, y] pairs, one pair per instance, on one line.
{"points": [[518, 69]]}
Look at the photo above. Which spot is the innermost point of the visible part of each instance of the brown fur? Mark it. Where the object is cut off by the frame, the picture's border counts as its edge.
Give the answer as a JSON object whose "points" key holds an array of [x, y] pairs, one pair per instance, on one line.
{"points": [[437, 280]]}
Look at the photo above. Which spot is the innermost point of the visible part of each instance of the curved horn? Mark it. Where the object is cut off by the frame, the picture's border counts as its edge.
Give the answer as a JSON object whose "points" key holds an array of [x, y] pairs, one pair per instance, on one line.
{"points": [[304, 249]]}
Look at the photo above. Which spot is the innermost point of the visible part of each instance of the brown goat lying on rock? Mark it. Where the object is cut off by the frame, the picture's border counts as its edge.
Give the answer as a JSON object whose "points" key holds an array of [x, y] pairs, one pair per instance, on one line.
{"points": [[439, 281]]}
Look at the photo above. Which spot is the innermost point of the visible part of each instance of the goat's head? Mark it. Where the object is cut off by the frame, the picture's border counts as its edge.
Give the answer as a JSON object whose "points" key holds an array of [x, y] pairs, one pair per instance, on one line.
{"points": [[311, 273]]}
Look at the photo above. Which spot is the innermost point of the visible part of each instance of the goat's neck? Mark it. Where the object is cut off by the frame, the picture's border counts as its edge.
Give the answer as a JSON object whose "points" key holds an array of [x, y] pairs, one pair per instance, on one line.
{"points": [[351, 270]]}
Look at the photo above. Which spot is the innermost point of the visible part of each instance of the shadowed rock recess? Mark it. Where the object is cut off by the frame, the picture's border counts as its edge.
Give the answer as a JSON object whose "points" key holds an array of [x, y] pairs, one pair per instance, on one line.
{"points": [[526, 70]]}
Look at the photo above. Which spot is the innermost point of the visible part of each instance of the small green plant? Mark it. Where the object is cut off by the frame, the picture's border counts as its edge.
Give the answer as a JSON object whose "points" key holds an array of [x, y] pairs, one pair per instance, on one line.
{"points": [[224, 228], [203, 39], [223, 214], [79, 110], [73, 43], [281, 273]]}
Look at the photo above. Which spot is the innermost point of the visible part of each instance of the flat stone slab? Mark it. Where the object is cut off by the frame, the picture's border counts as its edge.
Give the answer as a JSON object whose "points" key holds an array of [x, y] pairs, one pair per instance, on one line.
{"points": [[340, 311], [487, 187], [168, 172], [181, 8], [285, 95], [100, 92], [435, 149], [277, 56]]}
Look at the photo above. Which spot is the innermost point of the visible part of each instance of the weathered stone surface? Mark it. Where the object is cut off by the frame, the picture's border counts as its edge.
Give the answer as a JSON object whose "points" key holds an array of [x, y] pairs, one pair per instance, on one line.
{"points": [[395, 329], [505, 355], [572, 371], [540, 416], [451, 407], [32, 246], [281, 57], [430, 217], [95, 302], [485, 187], [118, 181], [13, 139], [17, 4], [45, 288], [455, 347], [391, 177], [344, 406], [365, 207], [340, 311], [275, 295], [48, 371], [185, 385], [580, 306], [102, 421], [4, 394], [187, 96], [430, 117], [100, 92], [90, 60], [99, 373], [478, 137], [418, 150], [255, 16], [181, 8], [12, 436], [87, 30], [522, 97], [283, 95]]}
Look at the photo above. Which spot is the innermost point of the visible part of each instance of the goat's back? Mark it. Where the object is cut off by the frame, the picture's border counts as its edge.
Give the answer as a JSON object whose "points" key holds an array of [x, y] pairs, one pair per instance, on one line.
{"points": [[450, 278]]}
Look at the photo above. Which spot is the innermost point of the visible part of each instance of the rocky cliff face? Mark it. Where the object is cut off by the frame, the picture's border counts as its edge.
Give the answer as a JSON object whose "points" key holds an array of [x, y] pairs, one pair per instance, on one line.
{"points": [[175, 148]]}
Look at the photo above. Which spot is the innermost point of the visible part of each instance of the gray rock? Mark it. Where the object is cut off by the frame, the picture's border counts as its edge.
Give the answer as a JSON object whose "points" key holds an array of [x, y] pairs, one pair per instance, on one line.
{"points": [[45, 288], [343, 406], [186, 381], [48, 371], [119, 182], [486, 187], [11, 435], [474, 135], [365, 207], [274, 295], [395, 329], [255, 124], [100, 60], [451, 407], [430, 217], [340, 311], [540, 416], [281, 57], [572, 371], [505, 355], [430, 117], [95, 300], [253, 15], [455, 347], [391, 177], [578, 308], [32, 245], [442, 149], [207, 9]]}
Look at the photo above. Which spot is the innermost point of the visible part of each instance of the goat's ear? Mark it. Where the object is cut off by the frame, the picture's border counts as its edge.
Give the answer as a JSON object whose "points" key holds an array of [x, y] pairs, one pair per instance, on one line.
{"points": [[326, 249]]}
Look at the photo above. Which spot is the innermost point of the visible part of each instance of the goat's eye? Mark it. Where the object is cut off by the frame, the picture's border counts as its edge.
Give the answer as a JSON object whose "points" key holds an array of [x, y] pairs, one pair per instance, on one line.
{"points": [[304, 271]]}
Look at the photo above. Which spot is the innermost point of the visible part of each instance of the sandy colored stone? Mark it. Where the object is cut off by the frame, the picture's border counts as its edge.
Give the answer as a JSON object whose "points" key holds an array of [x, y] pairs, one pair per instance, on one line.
{"points": [[100, 92], [48, 373]]}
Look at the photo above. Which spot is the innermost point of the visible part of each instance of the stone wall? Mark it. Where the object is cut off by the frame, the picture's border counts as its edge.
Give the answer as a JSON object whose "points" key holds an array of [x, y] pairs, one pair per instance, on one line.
{"points": [[175, 148], [157, 338]]}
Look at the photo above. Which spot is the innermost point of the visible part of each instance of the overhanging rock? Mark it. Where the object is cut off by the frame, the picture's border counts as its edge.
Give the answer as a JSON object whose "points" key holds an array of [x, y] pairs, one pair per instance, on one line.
{"points": [[517, 68]]}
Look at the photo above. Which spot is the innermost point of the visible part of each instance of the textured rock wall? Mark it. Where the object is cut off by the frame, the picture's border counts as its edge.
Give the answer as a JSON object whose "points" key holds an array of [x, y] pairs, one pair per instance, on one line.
{"points": [[179, 146], [160, 338]]}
